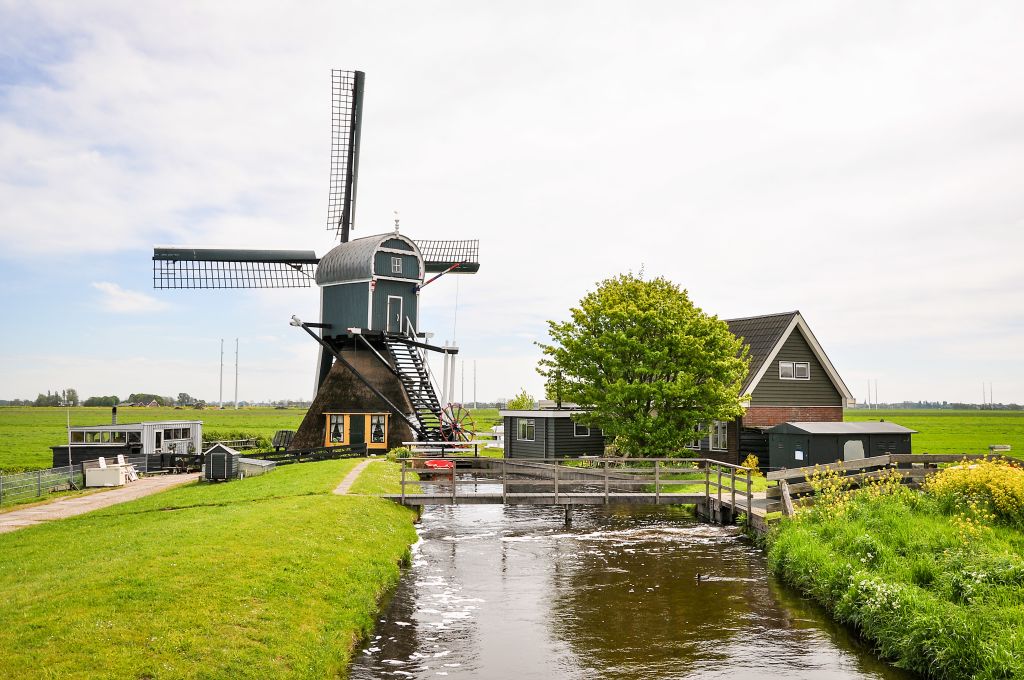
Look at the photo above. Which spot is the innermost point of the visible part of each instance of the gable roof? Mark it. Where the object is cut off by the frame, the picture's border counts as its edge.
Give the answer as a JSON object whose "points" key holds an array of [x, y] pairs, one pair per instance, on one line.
{"points": [[765, 335]]}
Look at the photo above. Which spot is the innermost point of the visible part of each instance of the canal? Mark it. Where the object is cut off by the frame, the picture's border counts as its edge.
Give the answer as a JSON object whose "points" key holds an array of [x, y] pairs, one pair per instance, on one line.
{"points": [[510, 592]]}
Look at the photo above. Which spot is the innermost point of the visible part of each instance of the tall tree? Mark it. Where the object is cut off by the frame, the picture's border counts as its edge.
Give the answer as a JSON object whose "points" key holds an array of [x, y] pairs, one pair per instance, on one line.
{"points": [[521, 402], [649, 366]]}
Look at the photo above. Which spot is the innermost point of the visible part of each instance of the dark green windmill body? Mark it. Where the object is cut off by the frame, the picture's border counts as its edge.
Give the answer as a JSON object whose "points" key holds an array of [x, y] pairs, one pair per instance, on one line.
{"points": [[373, 381]]}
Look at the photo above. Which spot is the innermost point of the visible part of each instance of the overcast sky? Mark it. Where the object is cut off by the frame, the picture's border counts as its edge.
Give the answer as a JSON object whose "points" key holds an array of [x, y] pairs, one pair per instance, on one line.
{"points": [[861, 162]]}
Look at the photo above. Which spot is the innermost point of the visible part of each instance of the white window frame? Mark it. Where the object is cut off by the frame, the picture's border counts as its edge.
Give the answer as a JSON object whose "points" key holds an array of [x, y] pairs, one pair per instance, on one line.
{"points": [[719, 436], [576, 427], [524, 426], [396, 265], [794, 371]]}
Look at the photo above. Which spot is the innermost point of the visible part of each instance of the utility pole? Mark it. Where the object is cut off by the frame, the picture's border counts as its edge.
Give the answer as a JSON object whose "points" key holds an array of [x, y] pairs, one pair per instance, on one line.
{"points": [[876, 392], [236, 374], [869, 395], [220, 395], [462, 388], [474, 383]]}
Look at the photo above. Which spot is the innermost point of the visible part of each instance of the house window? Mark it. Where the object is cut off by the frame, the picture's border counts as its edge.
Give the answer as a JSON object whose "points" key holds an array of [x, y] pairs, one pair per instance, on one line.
{"points": [[117, 437], [580, 430], [134, 437], [396, 265], [527, 429], [77, 437], [336, 428], [719, 436], [794, 370], [377, 429], [695, 444], [186, 433]]}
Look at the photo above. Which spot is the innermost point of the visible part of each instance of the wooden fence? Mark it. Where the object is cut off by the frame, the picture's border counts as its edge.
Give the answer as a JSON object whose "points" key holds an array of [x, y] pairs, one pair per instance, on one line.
{"points": [[912, 467]]}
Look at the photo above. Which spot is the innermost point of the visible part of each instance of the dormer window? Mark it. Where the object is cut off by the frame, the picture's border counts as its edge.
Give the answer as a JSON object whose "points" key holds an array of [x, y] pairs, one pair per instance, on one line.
{"points": [[794, 370], [396, 265]]}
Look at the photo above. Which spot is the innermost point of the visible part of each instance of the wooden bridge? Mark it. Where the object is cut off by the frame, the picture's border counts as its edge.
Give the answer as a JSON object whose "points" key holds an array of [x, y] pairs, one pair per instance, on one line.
{"points": [[720, 491]]}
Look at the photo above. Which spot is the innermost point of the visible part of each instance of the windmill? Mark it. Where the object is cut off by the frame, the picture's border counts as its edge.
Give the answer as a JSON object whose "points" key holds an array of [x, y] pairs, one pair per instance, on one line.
{"points": [[373, 380]]}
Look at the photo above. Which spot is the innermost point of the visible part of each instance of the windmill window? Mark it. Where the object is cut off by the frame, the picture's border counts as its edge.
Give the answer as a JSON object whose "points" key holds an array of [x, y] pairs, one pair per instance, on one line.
{"points": [[581, 430], [794, 370], [527, 429], [377, 429], [396, 265], [336, 428]]}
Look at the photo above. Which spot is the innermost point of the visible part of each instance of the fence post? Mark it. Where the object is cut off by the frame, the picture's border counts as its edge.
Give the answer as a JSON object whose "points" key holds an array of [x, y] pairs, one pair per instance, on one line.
{"points": [[453, 482], [657, 481], [750, 493], [403, 481], [556, 481], [719, 488], [39, 482], [732, 480], [504, 481], [606, 482], [707, 479], [1, 489]]}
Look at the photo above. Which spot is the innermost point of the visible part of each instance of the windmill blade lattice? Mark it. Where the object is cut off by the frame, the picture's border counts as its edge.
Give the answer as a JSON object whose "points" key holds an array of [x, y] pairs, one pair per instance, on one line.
{"points": [[346, 122]]}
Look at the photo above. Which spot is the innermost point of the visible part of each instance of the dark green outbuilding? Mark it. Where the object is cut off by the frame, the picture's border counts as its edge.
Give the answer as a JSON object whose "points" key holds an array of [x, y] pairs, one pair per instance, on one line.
{"points": [[793, 445]]}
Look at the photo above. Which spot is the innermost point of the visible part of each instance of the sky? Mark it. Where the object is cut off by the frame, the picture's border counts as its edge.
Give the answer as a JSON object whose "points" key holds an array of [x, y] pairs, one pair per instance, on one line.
{"points": [[862, 162]]}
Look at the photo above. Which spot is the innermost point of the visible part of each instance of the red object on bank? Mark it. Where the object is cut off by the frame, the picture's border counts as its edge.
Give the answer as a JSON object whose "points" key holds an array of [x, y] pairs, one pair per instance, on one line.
{"points": [[440, 464]]}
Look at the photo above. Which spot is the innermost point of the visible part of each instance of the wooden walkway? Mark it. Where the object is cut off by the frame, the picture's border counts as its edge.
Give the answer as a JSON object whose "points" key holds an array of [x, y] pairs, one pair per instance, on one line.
{"points": [[79, 505], [723, 492]]}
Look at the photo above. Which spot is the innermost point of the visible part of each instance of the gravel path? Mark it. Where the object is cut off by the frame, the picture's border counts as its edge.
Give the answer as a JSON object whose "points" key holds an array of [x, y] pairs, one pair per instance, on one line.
{"points": [[69, 507]]}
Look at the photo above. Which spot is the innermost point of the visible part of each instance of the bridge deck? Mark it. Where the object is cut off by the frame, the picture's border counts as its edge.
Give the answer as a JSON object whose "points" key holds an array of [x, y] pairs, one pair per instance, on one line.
{"points": [[549, 498]]}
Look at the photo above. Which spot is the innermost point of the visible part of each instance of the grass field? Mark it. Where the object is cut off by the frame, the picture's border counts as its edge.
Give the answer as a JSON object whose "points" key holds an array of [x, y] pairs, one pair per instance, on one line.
{"points": [[271, 576], [26, 433], [954, 431]]}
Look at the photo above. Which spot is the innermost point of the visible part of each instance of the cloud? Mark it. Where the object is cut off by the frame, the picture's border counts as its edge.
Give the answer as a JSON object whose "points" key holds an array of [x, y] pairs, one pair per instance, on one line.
{"points": [[117, 299]]}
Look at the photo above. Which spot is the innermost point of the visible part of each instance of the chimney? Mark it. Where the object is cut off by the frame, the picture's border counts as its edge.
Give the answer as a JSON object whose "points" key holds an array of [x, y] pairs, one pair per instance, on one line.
{"points": [[113, 415]]}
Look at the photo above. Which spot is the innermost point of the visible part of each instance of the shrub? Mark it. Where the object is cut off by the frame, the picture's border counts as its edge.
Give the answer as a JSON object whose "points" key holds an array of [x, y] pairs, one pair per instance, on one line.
{"points": [[751, 463], [981, 491], [399, 453]]}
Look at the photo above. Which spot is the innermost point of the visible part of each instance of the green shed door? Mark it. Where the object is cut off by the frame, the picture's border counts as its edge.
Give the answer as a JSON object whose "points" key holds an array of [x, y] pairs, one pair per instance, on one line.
{"points": [[357, 428]]}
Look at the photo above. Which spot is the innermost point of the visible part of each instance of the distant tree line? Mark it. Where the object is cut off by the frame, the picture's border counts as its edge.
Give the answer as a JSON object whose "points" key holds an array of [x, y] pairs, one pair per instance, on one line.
{"points": [[69, 397], [939, 405]]}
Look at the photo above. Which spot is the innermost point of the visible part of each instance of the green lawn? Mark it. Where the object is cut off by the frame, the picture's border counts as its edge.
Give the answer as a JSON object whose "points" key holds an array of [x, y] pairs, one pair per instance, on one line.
{"points": [[932, 593], [954, 431], [272, 576], [26, 433]]}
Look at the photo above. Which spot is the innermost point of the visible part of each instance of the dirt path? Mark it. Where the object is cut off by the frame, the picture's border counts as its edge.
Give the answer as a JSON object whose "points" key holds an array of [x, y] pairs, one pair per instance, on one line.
{"points": [[352, 476], [69, 507]]}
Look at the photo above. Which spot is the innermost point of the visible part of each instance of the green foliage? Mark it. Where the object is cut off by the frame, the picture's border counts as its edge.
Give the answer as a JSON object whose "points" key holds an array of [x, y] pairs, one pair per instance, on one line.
{"points": [[521, 402], [102, 401], [649, 364], [981, 488], [267, 577], [399, 453], [889, 562]]}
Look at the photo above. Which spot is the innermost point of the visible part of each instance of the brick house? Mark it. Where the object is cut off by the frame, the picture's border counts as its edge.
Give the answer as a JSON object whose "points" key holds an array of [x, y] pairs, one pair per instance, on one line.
{"points": [[790, 379]]}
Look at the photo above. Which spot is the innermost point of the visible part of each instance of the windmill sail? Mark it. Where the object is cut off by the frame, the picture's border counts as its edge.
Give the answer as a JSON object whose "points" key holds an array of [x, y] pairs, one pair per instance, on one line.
{"points": [[232, 268], [346, 121], [440, 256]]}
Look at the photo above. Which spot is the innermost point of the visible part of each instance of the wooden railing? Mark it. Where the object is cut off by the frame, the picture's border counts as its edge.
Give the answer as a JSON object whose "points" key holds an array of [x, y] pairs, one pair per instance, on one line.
{"points": [[586, 481], [913, 468], [313, 454]]}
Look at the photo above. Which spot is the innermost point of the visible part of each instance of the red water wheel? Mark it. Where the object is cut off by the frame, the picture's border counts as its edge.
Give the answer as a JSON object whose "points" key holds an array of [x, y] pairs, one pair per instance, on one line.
{"points": [[457, 424]]}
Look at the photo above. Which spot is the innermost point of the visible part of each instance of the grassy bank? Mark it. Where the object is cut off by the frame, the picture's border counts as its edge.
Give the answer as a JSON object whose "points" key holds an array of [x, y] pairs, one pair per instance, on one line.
{"points": [[29, 432], [935, 579], [953, 431], [267, 577]]}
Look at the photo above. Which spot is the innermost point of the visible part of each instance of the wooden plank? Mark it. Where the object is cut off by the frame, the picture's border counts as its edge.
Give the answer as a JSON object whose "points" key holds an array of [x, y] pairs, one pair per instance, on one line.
{"points": [[787, 502], [908, 458], [876, 461]]}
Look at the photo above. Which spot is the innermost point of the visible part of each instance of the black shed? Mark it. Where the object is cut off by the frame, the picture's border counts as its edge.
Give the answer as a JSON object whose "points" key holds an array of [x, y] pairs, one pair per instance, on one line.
{"points": [[549, 433], [793, 445]]}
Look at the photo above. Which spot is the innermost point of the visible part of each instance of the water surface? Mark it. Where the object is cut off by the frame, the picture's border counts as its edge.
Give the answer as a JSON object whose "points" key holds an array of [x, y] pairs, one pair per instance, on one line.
{"points": [[509, 592]]}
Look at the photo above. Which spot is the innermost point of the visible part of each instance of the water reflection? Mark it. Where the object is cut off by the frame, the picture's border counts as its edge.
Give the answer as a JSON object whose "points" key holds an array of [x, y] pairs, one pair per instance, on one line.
{"points": [[510, 593]]}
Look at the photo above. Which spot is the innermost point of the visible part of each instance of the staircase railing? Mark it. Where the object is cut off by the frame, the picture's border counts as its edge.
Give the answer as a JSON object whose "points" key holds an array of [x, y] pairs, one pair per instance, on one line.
{"points": [[410, 333]]}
